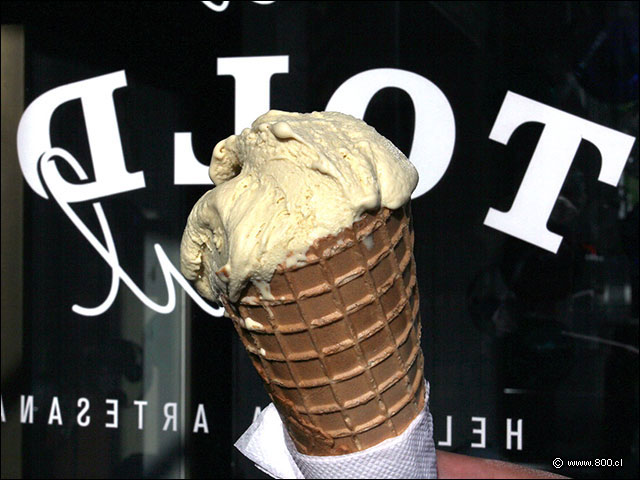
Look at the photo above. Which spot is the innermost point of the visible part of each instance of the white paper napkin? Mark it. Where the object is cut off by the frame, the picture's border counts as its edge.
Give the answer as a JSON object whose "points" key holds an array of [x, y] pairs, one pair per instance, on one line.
{"points": [[409, 455]]}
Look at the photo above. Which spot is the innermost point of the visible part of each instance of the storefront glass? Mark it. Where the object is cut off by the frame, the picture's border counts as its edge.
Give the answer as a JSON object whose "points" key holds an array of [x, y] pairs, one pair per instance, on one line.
{"points": [[532, 355]]}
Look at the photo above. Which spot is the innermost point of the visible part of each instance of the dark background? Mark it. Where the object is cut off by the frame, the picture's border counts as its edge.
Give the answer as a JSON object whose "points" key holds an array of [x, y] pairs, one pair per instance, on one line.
{"points": [[503, 321]]}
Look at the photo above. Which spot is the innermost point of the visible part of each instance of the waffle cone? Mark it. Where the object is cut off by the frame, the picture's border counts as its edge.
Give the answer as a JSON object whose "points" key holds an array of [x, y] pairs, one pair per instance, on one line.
{"points": [[338, 344]]}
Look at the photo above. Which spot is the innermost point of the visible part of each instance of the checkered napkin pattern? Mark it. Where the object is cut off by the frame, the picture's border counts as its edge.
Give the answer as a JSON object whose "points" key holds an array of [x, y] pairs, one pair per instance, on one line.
{"points": [[409, 455]]}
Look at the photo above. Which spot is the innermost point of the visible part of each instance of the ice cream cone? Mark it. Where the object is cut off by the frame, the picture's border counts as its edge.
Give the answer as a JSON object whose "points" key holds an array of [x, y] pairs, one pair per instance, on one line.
{"points": [[337, 340]]}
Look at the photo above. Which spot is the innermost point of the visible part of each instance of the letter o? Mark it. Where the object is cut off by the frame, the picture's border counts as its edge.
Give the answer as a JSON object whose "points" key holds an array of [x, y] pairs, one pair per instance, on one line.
{"points": [[434, 132]]}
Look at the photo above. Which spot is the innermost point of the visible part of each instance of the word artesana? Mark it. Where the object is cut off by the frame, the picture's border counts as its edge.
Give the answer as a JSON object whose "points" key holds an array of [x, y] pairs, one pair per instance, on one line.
{"points": [[111, 409]]}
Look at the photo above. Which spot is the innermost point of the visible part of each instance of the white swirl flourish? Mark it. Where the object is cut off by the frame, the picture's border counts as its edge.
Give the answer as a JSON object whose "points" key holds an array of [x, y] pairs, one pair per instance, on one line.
{"points": [[54, 183]]}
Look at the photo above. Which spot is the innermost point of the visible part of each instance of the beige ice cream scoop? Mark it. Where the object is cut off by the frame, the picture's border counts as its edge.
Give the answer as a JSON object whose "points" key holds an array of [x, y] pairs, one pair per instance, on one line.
{"points": [[287, 181]]}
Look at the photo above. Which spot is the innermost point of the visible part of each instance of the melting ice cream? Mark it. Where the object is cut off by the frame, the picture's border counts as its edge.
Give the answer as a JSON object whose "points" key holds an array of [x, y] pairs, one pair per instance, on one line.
{"points": [[285, 182]]}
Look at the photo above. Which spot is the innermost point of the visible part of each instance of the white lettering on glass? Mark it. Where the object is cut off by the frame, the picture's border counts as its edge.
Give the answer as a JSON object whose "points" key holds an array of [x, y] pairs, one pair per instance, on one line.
{"points": [[201, 420], [447, 442], [215, 7], [252, 98], [187, 169], [140, 404], [549, 165], [253, 84], [26, 409], [170, 415], [113, 413], [434, 133], [54, 413], [223, 5], [482, 431], [83, 419], [433, 141], [517, 433], [56, 185], [96, 95]]}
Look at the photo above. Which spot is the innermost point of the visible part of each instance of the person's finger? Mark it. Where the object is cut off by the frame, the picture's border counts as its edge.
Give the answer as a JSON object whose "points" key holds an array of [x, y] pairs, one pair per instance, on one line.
{"points": [[453, 465]]}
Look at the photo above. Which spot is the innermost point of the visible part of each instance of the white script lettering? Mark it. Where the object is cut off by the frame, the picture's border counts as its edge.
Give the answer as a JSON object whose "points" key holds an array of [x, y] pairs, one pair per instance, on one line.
{"points": [[223, 5], [56, 184]]}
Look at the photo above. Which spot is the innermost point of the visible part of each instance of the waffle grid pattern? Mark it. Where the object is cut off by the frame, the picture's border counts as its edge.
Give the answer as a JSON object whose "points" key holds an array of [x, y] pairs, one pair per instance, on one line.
{"points": [[338, 343]]}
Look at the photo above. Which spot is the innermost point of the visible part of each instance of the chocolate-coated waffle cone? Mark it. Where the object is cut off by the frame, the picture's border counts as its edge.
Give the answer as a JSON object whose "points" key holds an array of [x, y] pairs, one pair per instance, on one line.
{"points": [[338, 343]]}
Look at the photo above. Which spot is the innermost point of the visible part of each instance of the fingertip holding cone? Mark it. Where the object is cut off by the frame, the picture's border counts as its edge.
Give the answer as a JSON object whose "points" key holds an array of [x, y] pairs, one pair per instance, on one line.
{"points": [[338, 341]]}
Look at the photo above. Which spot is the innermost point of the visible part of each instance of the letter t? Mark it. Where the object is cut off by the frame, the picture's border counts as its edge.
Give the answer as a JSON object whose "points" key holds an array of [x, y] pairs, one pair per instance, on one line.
{"points": [[549, 166]]}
